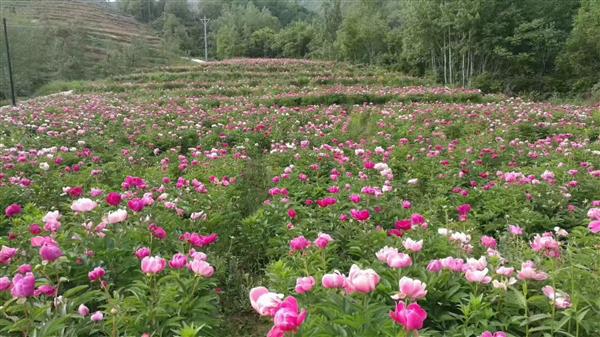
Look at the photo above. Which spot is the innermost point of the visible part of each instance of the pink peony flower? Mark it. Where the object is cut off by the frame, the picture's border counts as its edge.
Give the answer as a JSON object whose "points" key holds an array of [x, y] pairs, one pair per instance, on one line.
{"points": [[265, 302], [323, 240], [399, 261], [528, 272], [83, 205], [46, 290], [412, 245], [505, 271], [142, 252], [383, 253], [515, 230], [287, 318], [435, 266], [178, 261], [495, 334], [305, 284], [5, 283], [83, 310], [97, 316], [201, 267], [546, 244], [412, 289], [153, 265], [6, 254], [361, 280], [117, 216], [478, 276], [411, 317], [594, 226], [560, 299], [333, 281], [488, 242]]}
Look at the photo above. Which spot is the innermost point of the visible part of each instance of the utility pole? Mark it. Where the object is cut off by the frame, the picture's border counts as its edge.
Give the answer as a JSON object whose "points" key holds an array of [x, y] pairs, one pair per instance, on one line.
{"points": [[205, 22], [10, 74]]}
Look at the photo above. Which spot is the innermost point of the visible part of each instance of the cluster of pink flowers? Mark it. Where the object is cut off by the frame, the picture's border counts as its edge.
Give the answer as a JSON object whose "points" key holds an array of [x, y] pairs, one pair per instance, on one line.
{"points": [[286, 314], [301, 243], [594, 216], [393, 258], [153, 265]]}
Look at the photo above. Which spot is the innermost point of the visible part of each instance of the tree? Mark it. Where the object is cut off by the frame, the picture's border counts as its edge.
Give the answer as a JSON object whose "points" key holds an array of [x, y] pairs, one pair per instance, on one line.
{"points": [[236, 27], [174, 33], [294, 41], [581, 58], [361, 36], [261, 43]]}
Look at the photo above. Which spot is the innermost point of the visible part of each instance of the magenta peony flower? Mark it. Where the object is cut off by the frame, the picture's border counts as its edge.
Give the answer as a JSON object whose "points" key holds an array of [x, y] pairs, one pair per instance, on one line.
{"points": [[299, 243], [360, 215], [292, 213], [287, 318], [50, 252], [96, 274], [113, 198], [23, 285], [411, 317], [136, 205], [13, 210]]}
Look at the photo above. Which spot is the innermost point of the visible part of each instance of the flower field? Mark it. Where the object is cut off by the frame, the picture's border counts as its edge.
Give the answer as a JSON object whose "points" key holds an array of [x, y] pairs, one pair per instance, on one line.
{"points": [[296, 198]]}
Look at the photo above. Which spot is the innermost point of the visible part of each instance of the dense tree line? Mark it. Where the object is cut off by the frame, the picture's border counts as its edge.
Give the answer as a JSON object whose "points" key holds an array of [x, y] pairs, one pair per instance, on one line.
{"points": [[512, 46]]}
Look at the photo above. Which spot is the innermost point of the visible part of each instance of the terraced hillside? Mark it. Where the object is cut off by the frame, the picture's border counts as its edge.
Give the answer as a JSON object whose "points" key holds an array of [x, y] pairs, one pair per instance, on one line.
{"points": [[103, 25], [295, 198]]}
